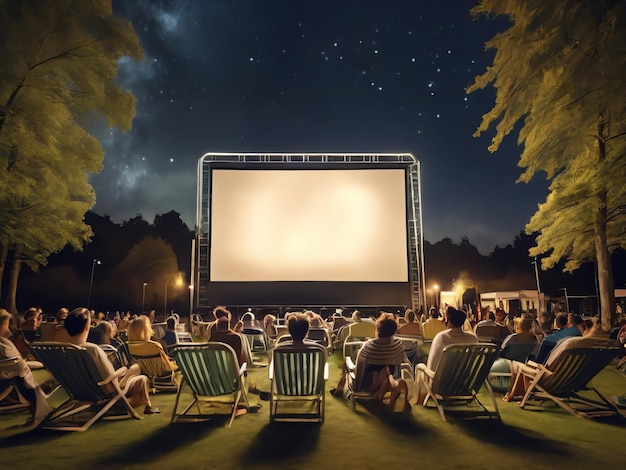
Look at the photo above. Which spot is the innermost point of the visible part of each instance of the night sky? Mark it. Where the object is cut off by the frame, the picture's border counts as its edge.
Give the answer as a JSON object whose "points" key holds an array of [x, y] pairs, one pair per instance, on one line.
{"points": [[315, 76]]}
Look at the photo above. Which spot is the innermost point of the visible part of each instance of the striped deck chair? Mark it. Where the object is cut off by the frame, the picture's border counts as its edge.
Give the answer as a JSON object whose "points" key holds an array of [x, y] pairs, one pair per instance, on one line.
{"points": [[74, 368], [212, 372], [298, 382], [461, 372], [570, 374], [154, 364]]}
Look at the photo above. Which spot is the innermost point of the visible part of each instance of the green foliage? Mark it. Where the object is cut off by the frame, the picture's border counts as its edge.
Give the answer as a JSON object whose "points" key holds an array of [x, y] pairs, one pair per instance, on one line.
{"points": [[560, 70], [57, 74]]}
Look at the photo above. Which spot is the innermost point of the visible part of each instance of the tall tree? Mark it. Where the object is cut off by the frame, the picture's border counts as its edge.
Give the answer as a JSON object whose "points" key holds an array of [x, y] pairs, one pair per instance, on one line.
{"points": [[57, 79], [560, 70]]}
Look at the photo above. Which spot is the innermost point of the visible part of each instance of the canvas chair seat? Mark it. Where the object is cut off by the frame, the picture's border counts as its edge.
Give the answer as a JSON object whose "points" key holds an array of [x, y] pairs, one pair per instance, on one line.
{"points": [[10, 398], [461, 372], [298, 379], [212, 372], [155, 364], [75, 370], [564, 380]]}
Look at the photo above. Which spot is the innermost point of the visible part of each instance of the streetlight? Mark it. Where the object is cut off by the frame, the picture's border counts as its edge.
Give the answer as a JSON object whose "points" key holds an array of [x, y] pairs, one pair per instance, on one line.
{"points": [[143, 296], [536, 274], [564, 289], [93, 268], [178, 283], [190, 300]]}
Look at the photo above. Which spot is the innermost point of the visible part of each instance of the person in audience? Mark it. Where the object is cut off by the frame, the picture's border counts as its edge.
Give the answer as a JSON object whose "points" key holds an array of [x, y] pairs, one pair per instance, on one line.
{"points": [[61, 315], [574, 327], [433, 325], [268, 325], [105, 332], [24, 380], [522, 332], [595, 337], [454, 334], [560, 322], [152, 315], [411, 327], [140, 329], [222, 333], [298, 325], [379, 357], [32, 321], [170, 337], [77, 325], [315, 319]]}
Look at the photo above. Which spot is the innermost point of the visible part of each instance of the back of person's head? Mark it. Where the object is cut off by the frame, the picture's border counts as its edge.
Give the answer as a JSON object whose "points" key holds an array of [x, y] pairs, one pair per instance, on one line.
{"points": [[140, 329], [356, 316], [171, 323], [573, 319], [500, 314], [409, 315], [298, 325], [433, 313], [4, 316], [61, 315], [77, 321], [456, 317], [523, 324], [386, 325], [31, 313], [221, 312], [560, 320]]}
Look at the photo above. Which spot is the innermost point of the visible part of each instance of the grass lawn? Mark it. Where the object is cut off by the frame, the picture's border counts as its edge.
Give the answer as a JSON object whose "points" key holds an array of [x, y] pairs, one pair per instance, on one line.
{"points": [[362, 439]]}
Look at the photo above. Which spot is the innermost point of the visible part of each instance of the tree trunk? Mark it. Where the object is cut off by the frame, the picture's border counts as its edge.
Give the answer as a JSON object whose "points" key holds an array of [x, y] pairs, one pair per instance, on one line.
{"points": [[11, 304], [605, 270]]}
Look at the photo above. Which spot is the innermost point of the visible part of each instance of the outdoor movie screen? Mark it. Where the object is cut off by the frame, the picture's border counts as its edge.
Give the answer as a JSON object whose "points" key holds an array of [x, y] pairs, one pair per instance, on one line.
{"points": [[307, 225]]}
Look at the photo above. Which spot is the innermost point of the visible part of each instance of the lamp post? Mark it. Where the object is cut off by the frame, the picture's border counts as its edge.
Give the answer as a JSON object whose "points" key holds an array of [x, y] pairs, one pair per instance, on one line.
{"points": [[190, 300], [143, 296], [93, 268], [177, 283], [564, 289], [436, 289]]}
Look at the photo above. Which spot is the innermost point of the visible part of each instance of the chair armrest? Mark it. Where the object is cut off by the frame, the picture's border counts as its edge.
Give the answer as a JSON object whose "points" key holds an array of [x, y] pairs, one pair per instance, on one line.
{"points": [[326, 371], [118, 373], [243, 369], [350, 365], [270, 370], [421, 366]]}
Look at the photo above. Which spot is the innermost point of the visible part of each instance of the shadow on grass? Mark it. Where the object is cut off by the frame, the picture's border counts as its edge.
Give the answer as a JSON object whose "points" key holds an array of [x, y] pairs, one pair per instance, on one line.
{"points": [[282, 441], [152, 447], [397, 423]]}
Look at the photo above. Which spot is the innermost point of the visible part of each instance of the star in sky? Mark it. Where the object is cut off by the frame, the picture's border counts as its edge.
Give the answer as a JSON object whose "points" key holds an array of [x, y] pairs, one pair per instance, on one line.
{"points": [[284, 76]]}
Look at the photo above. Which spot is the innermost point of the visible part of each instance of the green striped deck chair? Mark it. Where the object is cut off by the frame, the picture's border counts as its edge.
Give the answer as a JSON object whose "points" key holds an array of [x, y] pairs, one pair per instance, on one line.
{"points": [[298, 379], [212, 373], [74, 368]]}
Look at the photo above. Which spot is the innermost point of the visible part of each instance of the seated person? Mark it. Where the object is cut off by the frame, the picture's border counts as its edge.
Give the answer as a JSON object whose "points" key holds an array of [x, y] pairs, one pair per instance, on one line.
{"points": [[24, 380], [170, 337], [591, 337], [221, 332], [140, 330], [268, 325], [379, 357], [574, 327], [77, 324], [454, 334], [32, 322], [298, 326], [61, 315], [433, 325], [411, 327], [522, 332]]}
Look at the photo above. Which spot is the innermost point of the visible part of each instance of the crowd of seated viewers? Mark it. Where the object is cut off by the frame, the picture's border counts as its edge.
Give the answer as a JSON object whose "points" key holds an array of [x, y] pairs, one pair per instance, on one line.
{"points": [[90, 329]]}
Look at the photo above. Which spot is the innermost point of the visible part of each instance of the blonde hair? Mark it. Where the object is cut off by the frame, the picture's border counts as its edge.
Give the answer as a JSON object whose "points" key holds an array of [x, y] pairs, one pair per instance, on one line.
{"points": [[140, 329]]}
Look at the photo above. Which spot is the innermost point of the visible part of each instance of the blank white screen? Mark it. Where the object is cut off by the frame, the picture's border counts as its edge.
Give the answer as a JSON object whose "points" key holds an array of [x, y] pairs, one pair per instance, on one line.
{"points": [[308, 225]]}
